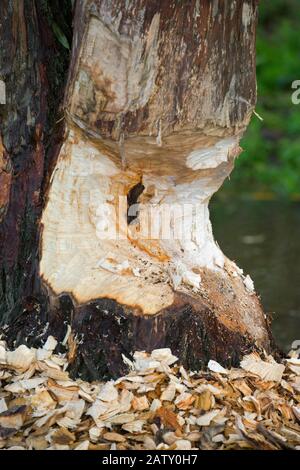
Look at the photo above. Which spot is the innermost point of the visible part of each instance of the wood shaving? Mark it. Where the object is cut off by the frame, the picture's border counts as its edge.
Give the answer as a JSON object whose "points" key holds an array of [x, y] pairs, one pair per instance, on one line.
{"points": [[158, 405]]}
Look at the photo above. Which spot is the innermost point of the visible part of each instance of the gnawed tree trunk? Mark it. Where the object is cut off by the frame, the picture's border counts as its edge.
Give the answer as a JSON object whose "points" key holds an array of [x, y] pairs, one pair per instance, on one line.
{"points": [[158, 96]]}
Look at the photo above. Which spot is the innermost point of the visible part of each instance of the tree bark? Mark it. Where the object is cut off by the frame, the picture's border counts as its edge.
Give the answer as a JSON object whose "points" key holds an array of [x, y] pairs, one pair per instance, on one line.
{"points": [[158, 96], [33, 67]]}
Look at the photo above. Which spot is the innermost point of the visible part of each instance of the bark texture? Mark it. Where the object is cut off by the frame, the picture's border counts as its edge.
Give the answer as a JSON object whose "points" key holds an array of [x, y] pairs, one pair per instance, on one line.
{"points": [[33, 66], [158, 96]]}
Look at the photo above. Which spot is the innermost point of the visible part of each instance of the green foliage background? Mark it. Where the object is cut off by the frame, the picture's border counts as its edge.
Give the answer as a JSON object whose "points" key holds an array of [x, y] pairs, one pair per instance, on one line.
{"points": [[269, 167]]}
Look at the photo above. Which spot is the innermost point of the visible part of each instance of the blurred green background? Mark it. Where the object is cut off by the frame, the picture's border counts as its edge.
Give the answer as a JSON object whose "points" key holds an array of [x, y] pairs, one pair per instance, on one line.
{"points": [[269, 167]]}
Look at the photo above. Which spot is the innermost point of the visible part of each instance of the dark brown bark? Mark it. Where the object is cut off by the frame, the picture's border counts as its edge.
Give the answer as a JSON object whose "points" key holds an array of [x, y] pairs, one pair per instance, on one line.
{"points": [[206, 58], [33, 66], [204, 86]]}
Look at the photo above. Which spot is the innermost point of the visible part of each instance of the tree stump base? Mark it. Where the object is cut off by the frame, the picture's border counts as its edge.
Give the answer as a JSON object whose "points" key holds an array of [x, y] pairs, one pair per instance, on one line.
{"points": [[196, 329]]}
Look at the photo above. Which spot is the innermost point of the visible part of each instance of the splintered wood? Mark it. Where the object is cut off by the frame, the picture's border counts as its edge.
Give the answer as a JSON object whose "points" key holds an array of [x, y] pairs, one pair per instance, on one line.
{"points": [[157, 406]]}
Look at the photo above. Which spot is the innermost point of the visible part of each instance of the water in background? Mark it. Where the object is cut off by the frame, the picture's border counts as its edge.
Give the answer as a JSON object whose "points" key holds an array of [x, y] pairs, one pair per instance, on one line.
{"points": [[264, 239]]}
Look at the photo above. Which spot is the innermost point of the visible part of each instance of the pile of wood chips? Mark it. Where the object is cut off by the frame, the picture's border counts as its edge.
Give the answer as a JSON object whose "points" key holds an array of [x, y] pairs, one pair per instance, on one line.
{"points": [[157, 406]]}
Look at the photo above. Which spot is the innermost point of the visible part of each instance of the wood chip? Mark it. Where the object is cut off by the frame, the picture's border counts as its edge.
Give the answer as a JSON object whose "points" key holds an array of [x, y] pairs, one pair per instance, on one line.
{"points": [[13, 417], [62, 436], [168, 417], [114, 437], [216, 367], [21, 358], [266, 370]]}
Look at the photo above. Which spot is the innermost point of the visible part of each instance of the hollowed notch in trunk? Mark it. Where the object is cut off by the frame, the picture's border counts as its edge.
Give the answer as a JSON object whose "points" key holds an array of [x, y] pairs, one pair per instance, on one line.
{"points": [[132, 202]]}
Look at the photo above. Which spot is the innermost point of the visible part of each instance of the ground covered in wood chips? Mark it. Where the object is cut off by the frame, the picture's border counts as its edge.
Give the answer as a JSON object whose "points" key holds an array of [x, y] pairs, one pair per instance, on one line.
{"points": [[158, 405]]}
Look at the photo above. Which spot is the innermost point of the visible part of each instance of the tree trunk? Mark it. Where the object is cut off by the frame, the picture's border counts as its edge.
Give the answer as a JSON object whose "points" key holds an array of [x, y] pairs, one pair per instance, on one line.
{"points": [[110, 232]]}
